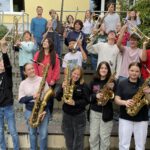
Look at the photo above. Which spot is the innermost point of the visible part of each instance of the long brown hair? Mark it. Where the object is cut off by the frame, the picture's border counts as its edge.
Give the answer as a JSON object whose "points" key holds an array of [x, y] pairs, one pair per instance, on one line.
{"points": [[97, 75], [51, 52]]}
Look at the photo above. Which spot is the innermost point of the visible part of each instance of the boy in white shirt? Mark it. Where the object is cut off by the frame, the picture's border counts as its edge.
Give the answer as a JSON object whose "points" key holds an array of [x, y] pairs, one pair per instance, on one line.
{"points": [[74, 57]]}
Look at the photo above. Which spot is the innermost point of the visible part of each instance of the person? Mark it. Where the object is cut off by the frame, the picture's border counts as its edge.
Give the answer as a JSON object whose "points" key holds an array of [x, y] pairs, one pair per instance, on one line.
{"points": [[6, 101], [106, 51], [145, 70], [28, 93], [78, 25], [50, 33], [130, 54], [53, 19], [38, 26], [87, 23], [126, 35], [26, 51], [100, 116], [74, 120], [47, 55], [128, 125], [100, 37], [68, 25], [73, 57], [133, 20], [111, 19]]}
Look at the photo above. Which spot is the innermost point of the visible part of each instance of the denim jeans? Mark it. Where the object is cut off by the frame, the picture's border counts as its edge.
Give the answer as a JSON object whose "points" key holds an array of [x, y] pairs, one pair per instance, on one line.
{"points": [[42, 129], [8, 113], [73, 128], [94, 59]]}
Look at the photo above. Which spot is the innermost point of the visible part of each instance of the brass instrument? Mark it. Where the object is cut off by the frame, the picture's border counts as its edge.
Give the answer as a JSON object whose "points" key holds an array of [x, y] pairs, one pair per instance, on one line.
{"points": [[75, 45], [40, 103], [107, 92], [139, 99], [69, 88], [98, 24], [138, 32]]}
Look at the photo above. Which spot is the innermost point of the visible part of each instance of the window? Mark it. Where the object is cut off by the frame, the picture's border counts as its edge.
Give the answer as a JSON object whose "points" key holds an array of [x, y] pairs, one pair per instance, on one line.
{"points": [[18, 5]]}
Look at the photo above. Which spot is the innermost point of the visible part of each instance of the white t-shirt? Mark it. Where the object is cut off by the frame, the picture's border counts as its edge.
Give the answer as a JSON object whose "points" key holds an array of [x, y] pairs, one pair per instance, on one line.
{"points": [[87, 27], [74, 59], [107, 52], [111, 21]]}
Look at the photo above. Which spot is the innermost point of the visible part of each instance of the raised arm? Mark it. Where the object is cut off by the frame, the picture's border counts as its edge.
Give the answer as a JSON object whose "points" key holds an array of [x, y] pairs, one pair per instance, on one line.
{"points": [[82, 51], [119, 42], [144, 54]]}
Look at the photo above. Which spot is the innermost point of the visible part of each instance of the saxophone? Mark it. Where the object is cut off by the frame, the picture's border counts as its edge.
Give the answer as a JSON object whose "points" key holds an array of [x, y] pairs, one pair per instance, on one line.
{"points": [[107, 92], [69, 88], [40, 103], [139, 99]]}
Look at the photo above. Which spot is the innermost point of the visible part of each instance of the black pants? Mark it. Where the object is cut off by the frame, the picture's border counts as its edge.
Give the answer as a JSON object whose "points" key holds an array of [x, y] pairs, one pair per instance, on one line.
{"points": [[73, 128]]}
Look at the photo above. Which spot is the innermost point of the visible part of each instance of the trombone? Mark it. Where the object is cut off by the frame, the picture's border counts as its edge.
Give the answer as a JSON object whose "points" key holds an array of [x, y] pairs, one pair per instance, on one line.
{"points": [[138, 32], [80, 37]]}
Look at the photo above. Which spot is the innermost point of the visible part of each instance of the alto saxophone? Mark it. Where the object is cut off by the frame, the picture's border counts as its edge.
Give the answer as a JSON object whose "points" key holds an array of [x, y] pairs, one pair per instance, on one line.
{"points": [[107, 92], [40, 103], [139, 99], [69, 88]]}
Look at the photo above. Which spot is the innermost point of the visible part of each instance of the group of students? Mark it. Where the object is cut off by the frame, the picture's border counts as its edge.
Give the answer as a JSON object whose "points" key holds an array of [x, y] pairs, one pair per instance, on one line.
{"points": [[74, 114], [110, 57]]}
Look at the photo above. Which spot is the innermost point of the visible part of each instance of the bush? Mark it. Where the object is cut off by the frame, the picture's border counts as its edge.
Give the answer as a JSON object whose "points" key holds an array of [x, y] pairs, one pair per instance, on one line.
{"points": [[143, 6], [3, 31]]}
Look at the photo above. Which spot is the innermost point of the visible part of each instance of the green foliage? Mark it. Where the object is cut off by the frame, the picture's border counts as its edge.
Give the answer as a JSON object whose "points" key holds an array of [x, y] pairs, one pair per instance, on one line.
{"points": [[143, 6], [3, 31]]}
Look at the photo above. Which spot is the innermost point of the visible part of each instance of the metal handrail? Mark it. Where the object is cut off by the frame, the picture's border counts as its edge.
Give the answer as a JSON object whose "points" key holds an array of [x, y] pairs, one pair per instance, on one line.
{"points": [[24, 18]]}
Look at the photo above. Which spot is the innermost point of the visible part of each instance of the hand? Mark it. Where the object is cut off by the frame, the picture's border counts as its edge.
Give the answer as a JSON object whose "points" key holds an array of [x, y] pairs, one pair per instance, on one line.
{"points": [[146, 42], [110, 85], [99, 95], [65, 34], [146, 90], [64, 84], [4, 46], [124, 27], [79, 43], [70, 102], [129, 103], [18, 43], [42, 115], [36, 96], [52, 82]]}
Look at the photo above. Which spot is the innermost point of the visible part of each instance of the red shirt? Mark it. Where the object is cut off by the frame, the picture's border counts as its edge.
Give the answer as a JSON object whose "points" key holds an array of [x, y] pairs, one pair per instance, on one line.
{"points": [[146, 66], [53, 74], [125, 38]]}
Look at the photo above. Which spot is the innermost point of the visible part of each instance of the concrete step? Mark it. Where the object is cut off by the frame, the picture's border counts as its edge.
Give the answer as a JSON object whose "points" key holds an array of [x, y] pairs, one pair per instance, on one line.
{"points": [[55, 135]]}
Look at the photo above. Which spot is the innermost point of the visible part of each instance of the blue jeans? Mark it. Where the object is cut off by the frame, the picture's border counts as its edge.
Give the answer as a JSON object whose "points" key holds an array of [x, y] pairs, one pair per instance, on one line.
{"points": [[94, 59], [8, 113], [42, 130]]}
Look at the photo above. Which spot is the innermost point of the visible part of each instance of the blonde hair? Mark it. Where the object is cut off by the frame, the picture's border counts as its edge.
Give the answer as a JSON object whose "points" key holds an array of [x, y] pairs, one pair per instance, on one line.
{"points": [[81, 79]]}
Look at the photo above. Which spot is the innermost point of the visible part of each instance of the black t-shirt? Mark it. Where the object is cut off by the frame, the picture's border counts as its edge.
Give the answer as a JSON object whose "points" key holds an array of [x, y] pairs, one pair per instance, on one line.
{"points": [[126, 90], [107, 111], [95, 86]]}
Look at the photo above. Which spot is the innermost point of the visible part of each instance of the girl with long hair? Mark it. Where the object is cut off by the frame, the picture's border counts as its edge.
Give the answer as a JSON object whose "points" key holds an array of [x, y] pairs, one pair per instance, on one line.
{"points": [[74, 120], [100, 116]]}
